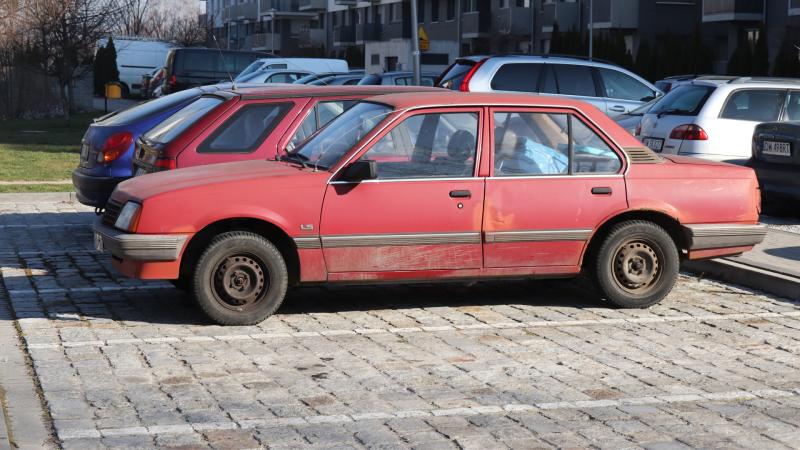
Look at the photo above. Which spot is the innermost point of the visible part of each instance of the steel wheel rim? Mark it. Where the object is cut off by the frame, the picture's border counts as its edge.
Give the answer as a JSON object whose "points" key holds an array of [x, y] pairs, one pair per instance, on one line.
{"points": [[636, 266], [240, 281]]}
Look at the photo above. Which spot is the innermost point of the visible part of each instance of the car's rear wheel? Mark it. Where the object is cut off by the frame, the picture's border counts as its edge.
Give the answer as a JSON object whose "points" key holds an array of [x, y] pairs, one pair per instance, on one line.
{"points": [[240, 279], [637, 264]]}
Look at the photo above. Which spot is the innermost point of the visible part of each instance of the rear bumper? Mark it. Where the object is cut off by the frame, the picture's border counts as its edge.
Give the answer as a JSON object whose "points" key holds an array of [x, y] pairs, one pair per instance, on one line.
{"points": [[93, 190], [138, 247], [777, 179], [720, 236]]}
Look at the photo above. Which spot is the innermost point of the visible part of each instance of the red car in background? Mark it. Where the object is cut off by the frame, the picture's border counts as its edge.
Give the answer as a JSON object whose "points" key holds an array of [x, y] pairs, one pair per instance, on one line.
{"points": [[248, 123], [424, 186]]}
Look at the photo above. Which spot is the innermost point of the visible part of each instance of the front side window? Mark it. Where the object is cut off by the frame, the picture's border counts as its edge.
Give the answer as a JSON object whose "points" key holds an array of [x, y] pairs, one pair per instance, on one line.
{"points": [[530, 144], [245, 130], [624, 87], [758, 105], [177, 123], [328, 146], [428, 145]]}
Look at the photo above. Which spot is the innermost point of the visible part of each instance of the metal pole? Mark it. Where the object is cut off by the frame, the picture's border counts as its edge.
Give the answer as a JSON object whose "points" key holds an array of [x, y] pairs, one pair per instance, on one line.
{"points": [[533, 28], [458, 27], [415, 44], [591, 28]]}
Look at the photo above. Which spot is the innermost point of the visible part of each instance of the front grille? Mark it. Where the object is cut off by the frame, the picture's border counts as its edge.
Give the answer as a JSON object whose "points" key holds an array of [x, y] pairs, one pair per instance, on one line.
{"points": [[642, 155], [111, 213]]}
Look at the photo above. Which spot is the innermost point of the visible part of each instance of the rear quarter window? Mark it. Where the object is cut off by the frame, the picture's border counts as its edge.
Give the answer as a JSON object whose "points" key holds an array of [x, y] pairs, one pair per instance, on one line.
{"points": [[177, 123], [517, 77], [757, 105], [246, 129]]}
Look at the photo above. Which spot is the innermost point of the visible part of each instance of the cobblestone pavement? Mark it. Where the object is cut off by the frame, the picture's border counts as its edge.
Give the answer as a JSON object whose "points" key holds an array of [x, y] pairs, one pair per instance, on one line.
{"points": [[524, 364]]}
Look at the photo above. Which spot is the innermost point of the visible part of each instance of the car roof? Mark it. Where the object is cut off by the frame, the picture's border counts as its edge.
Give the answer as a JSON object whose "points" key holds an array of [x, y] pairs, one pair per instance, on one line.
{"points": [[277, 90], [737, 82]]}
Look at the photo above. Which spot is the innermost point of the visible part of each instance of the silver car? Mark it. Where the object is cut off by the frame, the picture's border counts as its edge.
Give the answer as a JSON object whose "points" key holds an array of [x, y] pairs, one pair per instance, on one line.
{"points": [[610, 88]]}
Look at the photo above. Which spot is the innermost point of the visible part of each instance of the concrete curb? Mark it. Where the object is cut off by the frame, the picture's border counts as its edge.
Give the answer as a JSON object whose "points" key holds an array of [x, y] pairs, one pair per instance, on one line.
{"points": [[745, 275], [39, 197]]}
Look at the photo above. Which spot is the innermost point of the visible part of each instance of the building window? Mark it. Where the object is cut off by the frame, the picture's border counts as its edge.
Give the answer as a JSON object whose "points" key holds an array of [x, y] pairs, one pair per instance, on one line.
{"points": [[504, 3], [469, 5], [395, 13], [451, 9], [434, 10], [421, 12], [375, 59]]}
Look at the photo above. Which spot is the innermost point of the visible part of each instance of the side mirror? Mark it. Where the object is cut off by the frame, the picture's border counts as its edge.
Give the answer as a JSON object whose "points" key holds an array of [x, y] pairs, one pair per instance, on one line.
{"points": [[363, 169]]}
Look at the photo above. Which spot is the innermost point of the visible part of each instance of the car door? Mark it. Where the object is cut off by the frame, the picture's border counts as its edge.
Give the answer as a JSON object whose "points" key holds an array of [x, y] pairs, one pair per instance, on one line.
{"points": [[622, 92], [573, 81], [554, 179], [251, 131], [423, 212]]}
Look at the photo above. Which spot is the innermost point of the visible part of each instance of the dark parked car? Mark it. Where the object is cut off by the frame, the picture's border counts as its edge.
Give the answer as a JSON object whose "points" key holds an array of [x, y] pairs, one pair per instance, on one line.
{"points": [[397, 78], [107, 146], [776, 159], [339, 80], [191, 67]]}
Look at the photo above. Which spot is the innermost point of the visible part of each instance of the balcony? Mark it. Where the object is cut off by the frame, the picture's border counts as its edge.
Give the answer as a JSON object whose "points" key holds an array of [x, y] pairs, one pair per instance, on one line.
{"points": [[313, 5], [280, 5], [514, 21], [368, 32], [270, 42], [344, 34], [311, 38], [616, 14], [733, 10], [476, 24], [241, 11], [565, 14], [345, 2]]}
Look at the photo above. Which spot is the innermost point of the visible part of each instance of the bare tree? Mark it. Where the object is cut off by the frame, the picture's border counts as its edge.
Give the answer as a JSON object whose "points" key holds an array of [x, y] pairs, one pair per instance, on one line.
{"points": [[184, 29], [135, 17], [63, 36]]}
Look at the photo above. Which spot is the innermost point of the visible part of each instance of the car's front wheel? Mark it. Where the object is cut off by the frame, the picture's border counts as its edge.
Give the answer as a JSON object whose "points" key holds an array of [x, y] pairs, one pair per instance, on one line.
{"points": [[637, 264], [240, 279]]}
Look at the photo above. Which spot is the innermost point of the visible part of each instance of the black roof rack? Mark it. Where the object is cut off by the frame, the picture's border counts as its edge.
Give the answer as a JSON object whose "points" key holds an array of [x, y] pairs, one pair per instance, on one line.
{"points": [[547, 55], [764, 80]]}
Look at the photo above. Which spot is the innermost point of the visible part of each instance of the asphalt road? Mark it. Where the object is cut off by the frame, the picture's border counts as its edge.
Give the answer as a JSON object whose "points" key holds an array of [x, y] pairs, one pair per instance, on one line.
{"points": [[120, 363]]}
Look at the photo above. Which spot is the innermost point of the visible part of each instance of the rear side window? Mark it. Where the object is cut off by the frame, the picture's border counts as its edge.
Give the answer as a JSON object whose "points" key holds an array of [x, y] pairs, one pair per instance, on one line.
{"points": [[517, 77], [625, 87], [575, 80], [756, 105], [455, 74], [151, 107], [686, 100], [246, 129], [177, 123], [322, 113]]}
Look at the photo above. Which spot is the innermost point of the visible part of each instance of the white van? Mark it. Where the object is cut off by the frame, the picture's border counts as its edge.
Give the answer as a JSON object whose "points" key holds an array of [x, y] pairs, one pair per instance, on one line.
{"points": [[137, 57], [313, 65]]}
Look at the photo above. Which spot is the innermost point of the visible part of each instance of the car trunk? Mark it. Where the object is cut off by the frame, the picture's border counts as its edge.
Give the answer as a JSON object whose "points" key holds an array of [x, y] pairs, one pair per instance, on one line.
{"points": [[777, 143]]}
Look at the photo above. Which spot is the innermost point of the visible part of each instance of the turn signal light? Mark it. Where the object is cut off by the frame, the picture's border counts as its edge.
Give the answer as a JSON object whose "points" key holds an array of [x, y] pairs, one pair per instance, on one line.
{"points": [[115, 146], [166, 163], [689, 132]]}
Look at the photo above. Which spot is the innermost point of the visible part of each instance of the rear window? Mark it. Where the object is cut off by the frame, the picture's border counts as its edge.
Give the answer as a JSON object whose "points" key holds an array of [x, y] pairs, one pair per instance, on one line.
{"points": [[517, 77], [455, 74], [149, 108], [760, 105], [686, 100], [177, 123]]}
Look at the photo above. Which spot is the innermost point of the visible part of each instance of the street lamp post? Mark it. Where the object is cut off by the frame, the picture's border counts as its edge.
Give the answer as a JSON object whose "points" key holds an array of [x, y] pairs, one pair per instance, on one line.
{"points": [[591, 28], [415, 44]]}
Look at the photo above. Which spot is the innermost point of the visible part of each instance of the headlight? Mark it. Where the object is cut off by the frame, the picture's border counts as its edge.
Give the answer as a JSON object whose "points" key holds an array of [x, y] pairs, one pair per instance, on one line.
{"points": [[129, 217]]}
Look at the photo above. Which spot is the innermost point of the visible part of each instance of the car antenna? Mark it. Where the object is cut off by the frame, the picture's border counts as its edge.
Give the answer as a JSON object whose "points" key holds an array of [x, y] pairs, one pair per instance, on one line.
{"points": [[233, 83]]}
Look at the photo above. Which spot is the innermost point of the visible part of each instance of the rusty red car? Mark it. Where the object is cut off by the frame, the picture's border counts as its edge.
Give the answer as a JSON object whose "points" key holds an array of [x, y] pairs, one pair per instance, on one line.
{"points": [[246, 123], [434, 186]]}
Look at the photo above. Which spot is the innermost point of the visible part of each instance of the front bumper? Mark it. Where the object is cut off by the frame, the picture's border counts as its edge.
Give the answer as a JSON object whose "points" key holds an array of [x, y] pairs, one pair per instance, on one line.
{"points": [[93, 190], [718, 236], [138, 247], [780, 180]]}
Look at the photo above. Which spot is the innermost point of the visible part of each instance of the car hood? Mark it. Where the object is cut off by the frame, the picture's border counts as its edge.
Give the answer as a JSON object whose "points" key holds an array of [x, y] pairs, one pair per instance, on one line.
{"points": [[147, 186]]}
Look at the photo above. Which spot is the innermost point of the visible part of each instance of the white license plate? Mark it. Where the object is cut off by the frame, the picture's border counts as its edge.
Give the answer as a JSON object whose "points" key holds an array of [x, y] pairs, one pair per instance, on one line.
{"points": [[655, 144], [98, 242], [776, 148], [140, 171]]}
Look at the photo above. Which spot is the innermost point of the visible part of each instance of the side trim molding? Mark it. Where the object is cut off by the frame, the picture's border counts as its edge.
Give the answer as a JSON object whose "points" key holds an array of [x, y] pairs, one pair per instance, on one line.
{"points": [[705, 236], [538, 236], [380, 240], [307, 243]]}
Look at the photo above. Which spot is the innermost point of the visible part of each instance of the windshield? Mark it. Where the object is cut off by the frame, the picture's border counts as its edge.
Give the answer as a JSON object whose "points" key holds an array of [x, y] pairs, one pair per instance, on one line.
{"points": [[327, 146], [146, 109], [175, 124], [686, 100], [254, 66]]}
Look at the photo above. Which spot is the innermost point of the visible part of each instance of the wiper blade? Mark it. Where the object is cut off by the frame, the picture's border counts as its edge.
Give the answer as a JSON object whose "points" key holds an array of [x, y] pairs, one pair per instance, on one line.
{"points": [[672, 111], [296, 158]]}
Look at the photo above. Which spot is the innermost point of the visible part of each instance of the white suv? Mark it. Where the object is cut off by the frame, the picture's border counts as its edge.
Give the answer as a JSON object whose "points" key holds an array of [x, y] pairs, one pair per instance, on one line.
{"points": [[610, 88], [714, 118]]}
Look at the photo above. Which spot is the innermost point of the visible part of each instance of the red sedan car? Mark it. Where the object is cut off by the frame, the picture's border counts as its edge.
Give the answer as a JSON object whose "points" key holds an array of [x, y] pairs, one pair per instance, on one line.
{"points": [[246, 123], [434, 186]]}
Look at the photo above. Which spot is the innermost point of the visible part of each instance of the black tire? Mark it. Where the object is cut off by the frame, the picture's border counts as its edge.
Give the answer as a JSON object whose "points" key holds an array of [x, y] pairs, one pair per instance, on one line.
{"points": [[637, 264], [183, 283], [240, 279]]}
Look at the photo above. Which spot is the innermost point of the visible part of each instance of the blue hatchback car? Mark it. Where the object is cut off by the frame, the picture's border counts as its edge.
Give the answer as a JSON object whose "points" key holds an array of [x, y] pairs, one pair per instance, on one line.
{"points": [[107, 147]]}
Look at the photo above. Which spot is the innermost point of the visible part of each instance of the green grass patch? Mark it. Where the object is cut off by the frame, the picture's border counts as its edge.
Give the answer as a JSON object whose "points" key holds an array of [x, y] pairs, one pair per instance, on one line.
{"points": [[16, 188], [41, 150]]}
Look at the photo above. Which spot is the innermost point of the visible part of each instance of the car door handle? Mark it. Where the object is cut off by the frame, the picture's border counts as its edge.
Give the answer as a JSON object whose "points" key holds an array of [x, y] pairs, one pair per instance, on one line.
{"points": [[617, 108], [601, 191], [460, 194]]}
